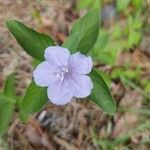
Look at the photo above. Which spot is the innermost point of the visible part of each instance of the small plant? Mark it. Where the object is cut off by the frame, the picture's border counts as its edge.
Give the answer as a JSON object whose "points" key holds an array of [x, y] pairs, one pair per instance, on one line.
{"points": [[72, 52]]}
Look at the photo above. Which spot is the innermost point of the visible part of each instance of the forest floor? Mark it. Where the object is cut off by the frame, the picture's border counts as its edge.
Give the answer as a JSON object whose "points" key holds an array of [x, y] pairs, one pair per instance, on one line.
{"points": [[80, 125]]}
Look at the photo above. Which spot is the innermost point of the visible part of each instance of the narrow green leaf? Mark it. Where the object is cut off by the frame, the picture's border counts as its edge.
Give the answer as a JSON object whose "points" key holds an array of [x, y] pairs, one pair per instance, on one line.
{"points": [[101, 94], [9, 89], [72, 42], [34, 99], [122, 4], [6, 111], [23, 116], [101, 44], [7, 103], [34, 43], [81, 4], [134, 38], [84, 33]]}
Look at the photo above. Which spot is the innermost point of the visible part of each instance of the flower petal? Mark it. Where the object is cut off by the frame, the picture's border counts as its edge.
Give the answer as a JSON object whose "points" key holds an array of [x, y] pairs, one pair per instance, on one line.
{"points": [[81, 84], [57, 56], [44, 75], [80, 63], [60, 93]]}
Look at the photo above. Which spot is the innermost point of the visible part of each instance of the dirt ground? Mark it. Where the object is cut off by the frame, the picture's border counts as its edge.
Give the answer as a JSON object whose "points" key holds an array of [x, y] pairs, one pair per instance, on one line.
{"points": [[80, 125]]}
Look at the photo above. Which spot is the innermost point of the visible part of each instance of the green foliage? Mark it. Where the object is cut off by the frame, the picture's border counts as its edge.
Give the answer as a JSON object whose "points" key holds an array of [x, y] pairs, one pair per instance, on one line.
{"points": [[96, 5], [83, 36], [104, 50], [134, 38], [72, 42], [84, 33], [7, 104], [9, 89], [116, 32], [6, 111], [37, 16], [147, 88], [101, 94], [119, 37], [90, 4], [145, 84], [128, 73], [34, 43], [122, 4], [34, 99], [106, 77], [118, 142], [101, 43], [134, 30], [84, 4], [137, 3], [111, 42]]}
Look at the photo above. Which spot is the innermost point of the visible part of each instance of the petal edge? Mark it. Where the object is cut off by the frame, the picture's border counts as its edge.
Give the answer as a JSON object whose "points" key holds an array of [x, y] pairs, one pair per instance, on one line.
{"points": [[80, 63]]}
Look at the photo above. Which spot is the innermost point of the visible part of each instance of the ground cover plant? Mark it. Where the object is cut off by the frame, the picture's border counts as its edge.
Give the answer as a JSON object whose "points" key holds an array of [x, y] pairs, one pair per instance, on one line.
{"points": [[80, 78]]}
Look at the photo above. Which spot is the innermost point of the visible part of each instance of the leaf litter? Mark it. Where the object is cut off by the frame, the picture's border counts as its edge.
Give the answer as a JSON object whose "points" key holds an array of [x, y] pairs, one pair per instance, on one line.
{"points": [[79, 125]]}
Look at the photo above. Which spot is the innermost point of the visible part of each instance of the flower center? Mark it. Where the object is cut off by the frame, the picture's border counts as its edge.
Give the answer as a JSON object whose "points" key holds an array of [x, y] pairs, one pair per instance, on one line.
{"points": [[62, 73]]}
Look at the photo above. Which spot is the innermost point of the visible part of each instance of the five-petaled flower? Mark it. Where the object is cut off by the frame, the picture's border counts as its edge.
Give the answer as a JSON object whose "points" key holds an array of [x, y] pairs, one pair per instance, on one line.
{"points": [[65, 75]]}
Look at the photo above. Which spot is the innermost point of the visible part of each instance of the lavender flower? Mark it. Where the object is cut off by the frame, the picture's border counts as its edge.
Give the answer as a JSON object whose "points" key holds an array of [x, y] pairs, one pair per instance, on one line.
{"points": [[64, 75]]}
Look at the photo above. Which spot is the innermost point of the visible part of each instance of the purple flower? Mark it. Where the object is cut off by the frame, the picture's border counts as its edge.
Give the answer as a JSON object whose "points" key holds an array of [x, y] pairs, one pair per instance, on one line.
{"points": [[64, 75]]}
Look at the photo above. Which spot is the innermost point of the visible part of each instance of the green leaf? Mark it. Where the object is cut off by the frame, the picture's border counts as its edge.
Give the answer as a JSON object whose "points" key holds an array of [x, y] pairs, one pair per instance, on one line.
{"points": [[135, 23], [101, 94], [147, 89], [9, 89], [7, 103], [23, 116], [35, 98], [105, 50], [130, 74], [117, 32], [6, 111], [105, 77], [102, 41], [107, 57], [34, 43], [137, 3], [81, 4], [134, 38], [72, 42], [97, 5], [122, 4], [83, 37], [84, 33]]}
